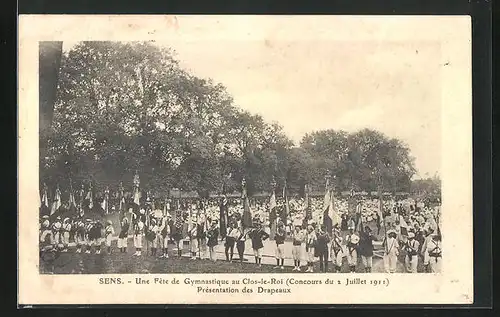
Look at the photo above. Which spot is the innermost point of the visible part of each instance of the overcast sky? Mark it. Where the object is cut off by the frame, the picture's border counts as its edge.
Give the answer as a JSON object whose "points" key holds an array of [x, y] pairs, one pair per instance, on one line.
{"points": [[313, 81]]}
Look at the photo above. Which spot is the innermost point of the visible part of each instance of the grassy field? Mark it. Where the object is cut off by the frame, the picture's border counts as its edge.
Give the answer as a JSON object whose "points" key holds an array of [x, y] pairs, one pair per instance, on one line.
{"points": [[124, 263]]}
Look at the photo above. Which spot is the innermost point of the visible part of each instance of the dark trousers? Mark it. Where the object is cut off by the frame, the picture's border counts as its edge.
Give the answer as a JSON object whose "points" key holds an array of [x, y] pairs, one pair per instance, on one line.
{"points": [[240, 246], [229, 250], [323, 260]]}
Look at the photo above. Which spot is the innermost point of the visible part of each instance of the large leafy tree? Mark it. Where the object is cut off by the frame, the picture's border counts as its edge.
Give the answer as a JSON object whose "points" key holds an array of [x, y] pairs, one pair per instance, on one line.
{"points": [[126, 107]]}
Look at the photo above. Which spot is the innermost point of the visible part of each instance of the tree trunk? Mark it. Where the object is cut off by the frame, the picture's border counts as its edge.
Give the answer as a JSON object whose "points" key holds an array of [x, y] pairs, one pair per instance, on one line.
{"points": [[50, 54]]}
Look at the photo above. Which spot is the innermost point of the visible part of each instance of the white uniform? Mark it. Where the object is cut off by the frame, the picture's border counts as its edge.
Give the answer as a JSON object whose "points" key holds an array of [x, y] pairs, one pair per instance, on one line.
{"points": [[193, 240], [298, 239], [109, 232], [138, 234], [57, 228], [391, 253], [352, 241], [66, 230], [310, 243], [165, 233]]}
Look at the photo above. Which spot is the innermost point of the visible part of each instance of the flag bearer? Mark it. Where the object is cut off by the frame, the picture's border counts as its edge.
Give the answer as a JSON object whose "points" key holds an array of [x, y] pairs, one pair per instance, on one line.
{"points": [[123, 235], [311, 240], [240, 242], [258, 235], [109, 232], [411, 258], [321, 249], [391, 251], [165, 233], [352, 244], [232, 236], [138, 237], [213, 239], [298, 238], [202, 235], [154, 235], [337, 249], [193, 236], [280, 245]]}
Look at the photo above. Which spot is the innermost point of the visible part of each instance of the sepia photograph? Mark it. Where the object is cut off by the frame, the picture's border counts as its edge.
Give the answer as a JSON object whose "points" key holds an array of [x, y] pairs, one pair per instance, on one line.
{"points": [[246, 151], [148, 164]]}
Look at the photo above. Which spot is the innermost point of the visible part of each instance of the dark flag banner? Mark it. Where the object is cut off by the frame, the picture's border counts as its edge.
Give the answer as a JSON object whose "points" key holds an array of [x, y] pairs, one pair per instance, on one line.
{"points": [[223, 216], [246, 219]]}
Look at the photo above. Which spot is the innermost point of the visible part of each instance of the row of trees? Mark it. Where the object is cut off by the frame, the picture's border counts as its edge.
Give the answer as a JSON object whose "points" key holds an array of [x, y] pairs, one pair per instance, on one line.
{"points": [[127, 107]]}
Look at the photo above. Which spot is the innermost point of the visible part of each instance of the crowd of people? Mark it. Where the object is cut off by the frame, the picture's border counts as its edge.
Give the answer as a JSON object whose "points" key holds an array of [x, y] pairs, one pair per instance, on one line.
{"points": [[408, 232]]}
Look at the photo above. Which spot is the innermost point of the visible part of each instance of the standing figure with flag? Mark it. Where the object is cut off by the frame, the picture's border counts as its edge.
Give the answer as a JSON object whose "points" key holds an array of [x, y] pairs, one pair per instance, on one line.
{"points": [[240, 241], [411, 247], [213, 239], [123, 235], [165, 233], [311, 241], [298, 238], [337, 250], [139, 230], [391, 251], [258, 235], [321, 250], [201, 232], [193, 233], [231, 237], [176, 232], [280, 245], [352, 244], [109, 232]]}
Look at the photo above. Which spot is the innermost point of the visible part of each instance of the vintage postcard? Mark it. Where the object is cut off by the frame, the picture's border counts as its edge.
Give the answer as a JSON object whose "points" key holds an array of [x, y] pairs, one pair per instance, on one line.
{"points": [[245, 160]]}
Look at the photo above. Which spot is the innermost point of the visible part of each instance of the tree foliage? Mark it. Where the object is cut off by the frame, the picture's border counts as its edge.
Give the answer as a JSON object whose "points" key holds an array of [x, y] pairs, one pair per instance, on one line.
{"points": [[126, 107]]}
